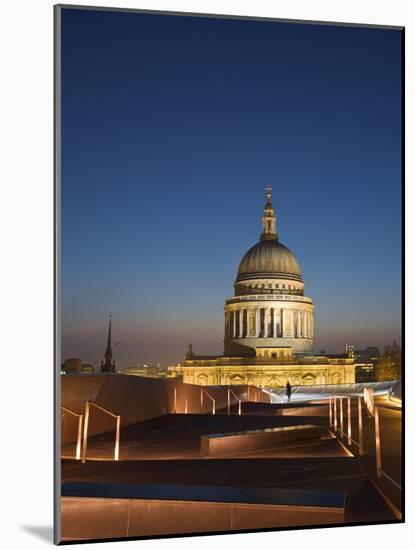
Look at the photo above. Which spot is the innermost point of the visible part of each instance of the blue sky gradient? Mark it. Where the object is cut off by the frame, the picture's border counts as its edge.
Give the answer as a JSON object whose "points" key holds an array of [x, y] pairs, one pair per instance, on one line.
{"points": [[171, 129]]}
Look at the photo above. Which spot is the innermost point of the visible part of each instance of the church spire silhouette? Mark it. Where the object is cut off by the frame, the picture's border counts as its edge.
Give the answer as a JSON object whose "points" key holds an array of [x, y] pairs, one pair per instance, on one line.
{"points": [[109, 365]]}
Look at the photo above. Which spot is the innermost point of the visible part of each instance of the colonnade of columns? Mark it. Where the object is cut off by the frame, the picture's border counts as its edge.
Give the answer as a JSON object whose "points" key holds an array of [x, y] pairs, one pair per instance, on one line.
{"points": [[268, 322]]}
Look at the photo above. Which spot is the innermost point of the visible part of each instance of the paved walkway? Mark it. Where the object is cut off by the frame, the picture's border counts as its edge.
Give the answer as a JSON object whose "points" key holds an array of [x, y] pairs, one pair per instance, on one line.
{"points": [[166, 450], [178, 437]]}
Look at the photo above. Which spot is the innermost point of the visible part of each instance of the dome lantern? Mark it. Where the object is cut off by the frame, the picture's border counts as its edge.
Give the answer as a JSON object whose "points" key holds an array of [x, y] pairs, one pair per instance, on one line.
{"points": [[269, 221], [269, 258]]}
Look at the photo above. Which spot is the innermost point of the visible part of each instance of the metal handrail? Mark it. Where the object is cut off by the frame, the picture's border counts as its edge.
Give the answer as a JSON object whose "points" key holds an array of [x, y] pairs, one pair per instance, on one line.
{"points": [[103, 410], [79, 438], [86, 425], [202, 391], [373, 410], [257, 391], [229, 402]]}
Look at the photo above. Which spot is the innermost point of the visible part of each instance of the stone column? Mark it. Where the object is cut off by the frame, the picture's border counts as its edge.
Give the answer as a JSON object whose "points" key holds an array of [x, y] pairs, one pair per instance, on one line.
{"points": [[241, 323], [282, 322], [311, 325], [278, 322], [284, 327], [300, 324], [257, 321], [234, 323], [251, 322], [247, 323], [266, 322]]}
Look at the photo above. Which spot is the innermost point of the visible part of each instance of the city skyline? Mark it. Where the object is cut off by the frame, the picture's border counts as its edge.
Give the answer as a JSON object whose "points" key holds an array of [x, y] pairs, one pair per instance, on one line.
{"points": [[164, 170]]}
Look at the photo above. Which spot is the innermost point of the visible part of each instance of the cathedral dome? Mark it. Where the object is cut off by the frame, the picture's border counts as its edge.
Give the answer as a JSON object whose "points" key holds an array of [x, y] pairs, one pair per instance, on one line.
{"points": [[269, 258]]}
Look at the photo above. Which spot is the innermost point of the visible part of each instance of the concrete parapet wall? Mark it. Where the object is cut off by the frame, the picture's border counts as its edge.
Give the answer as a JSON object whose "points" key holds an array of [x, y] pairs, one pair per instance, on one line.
{"points": [[95, 518], [136, 399]]}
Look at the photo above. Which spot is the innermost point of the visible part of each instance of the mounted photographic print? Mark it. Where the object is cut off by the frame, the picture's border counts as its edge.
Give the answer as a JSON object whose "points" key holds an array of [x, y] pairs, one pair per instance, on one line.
{"points": [[229, 202]]}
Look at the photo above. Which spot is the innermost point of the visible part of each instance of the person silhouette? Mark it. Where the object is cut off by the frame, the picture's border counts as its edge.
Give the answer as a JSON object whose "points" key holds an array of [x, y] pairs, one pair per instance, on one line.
{"points": [[288, 391]]}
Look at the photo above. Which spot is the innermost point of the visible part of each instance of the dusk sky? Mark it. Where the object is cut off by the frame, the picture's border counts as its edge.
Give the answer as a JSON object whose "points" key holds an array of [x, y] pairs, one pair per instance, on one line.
{"points": [[172, 127]]}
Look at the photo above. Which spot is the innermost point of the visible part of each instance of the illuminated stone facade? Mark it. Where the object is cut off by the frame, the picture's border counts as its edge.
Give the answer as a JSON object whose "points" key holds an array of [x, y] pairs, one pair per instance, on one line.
{"points": [[267, 373], [269, 325]]}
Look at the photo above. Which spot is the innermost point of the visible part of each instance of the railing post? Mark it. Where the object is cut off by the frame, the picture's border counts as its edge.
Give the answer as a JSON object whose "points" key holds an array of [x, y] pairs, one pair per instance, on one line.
{"points": [[335, 413], [341, 417], [117, 440], [213, 406], [349, 422], [330, 414], [201, 400], [360, 423], [86, 425], [85, 431], [229, 402], [240, 407], [377, 439], [79, 436], [175, 401], [79, 440], [185, 406]]}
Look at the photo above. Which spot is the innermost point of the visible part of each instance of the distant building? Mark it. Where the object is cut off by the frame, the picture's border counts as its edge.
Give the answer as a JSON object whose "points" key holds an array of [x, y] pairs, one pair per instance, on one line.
{"points": [[368, 355], [87, 367], [148, 370], [75, 365], [269, 325], [367, 364], [109, 364]]}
